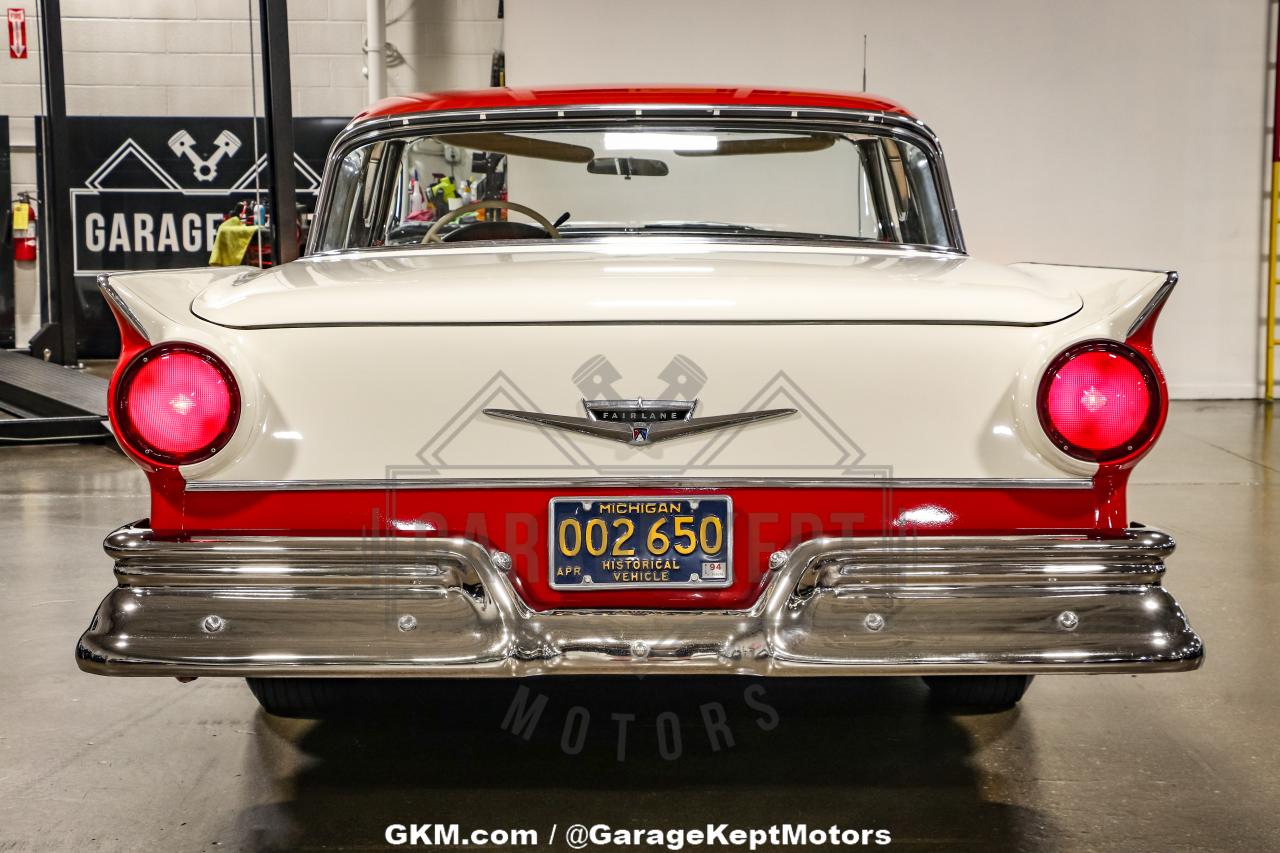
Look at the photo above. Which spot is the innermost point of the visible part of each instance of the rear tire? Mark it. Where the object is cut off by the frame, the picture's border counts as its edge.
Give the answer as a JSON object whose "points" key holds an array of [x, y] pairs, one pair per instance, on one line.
{"points": [[301, 698], [978, 692]]}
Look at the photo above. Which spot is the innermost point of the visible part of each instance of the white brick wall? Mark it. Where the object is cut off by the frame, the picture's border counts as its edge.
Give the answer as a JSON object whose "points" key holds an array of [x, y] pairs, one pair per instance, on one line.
{"points": [[174, 57]]}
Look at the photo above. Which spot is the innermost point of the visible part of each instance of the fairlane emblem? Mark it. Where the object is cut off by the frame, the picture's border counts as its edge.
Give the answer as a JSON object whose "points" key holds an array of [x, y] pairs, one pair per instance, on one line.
{"points": [[638, 422], [640, 414]]}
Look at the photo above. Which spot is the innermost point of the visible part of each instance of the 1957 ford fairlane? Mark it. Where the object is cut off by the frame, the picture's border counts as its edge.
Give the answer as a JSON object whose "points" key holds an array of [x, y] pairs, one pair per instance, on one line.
{"points": [[633, 381]]}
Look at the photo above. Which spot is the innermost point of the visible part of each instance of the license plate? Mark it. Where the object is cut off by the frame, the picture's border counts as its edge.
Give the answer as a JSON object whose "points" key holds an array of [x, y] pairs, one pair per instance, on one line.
{"points": [[607, 543]]}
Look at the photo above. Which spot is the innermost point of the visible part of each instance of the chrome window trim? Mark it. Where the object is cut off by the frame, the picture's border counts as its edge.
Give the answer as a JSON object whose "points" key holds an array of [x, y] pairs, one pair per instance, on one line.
{"points": [[430, 122], [759, 240], [1072, 483]]}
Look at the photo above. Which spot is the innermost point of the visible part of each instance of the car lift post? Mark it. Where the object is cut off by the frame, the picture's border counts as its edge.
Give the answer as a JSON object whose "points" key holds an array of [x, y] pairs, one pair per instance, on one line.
{"points": [[56, 341], [273, 16], [8, 333], [1273, 224]]}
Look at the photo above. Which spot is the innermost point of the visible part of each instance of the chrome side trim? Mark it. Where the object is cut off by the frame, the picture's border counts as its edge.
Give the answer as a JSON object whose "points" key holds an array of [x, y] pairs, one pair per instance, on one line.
{"points": [[1158, 299], [1087, 266], [109, 292], [831, 606], [638, 481]]}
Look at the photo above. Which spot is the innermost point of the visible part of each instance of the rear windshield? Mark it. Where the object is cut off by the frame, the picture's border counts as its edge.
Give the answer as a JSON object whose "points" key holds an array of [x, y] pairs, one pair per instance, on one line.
{"points": [[550, 184]]}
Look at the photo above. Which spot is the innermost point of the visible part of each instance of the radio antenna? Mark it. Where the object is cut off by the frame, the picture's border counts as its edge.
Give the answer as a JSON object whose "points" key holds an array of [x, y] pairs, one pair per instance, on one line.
{"points": [[864, 62]]}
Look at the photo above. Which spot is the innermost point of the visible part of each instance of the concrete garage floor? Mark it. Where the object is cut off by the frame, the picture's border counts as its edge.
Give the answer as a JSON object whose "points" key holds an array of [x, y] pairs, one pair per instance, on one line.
{"points": [[1166, 763]]}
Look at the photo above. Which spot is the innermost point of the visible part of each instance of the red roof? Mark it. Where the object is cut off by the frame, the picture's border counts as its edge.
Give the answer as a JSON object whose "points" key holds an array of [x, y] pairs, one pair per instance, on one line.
{"points": [[479, 99]]}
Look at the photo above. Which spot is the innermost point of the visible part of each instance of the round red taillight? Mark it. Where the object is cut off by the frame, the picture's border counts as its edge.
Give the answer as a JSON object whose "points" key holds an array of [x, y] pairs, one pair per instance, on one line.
{"points": [[1100, 401], [177, 404]]}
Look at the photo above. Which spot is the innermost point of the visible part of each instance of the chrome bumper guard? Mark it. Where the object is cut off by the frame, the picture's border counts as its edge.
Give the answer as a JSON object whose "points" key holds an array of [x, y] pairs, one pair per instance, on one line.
{"points": [[275, 606]]}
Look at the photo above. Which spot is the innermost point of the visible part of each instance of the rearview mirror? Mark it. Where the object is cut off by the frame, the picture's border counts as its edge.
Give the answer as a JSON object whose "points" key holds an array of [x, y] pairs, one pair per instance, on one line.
{"points": [[627, 166]]}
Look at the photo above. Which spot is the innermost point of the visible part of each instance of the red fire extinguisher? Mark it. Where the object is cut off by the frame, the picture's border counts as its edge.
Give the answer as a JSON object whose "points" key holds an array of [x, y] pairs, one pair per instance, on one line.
{"points": [[24, 238]]}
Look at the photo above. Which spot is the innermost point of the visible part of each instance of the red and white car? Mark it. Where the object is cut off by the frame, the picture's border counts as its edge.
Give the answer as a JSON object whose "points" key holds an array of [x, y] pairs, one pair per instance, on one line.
{"points": [[734, 400]]}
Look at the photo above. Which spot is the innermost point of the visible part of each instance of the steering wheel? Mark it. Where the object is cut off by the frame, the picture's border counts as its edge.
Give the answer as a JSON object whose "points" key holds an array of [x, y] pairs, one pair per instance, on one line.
{"points": [[433, 233]]}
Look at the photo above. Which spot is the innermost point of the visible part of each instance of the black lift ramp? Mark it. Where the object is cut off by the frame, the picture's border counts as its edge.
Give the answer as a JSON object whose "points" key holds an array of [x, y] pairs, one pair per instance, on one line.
{"points": [[44, 402]]}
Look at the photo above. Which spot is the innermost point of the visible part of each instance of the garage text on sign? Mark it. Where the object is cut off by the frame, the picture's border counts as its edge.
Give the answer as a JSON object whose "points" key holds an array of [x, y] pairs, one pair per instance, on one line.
{"points": [[145, 232]]}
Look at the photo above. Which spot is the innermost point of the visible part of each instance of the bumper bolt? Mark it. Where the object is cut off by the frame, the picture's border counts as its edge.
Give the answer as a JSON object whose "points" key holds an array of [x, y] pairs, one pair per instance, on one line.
{"points": [[778, 559], [213, 623], [1068, 620], [501, 560], [640, 649], [406, 623], [873, 622]]}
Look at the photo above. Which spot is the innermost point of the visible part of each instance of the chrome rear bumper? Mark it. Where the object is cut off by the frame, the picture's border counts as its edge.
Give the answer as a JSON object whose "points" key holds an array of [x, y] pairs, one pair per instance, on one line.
{"points": [[269, 606]]}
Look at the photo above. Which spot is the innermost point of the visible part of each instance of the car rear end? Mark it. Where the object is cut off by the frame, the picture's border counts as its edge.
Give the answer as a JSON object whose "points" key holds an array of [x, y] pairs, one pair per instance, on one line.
{"points": [[941, 498], [646, 445]]}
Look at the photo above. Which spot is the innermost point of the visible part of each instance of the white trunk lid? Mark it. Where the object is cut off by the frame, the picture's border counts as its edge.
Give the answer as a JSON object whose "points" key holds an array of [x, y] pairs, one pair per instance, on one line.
{"points": [[635, 280]]}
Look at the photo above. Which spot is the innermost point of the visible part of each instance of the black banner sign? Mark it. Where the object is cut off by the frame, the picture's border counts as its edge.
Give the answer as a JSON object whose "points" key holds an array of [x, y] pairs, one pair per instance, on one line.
{"points": [[149, 193]]}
